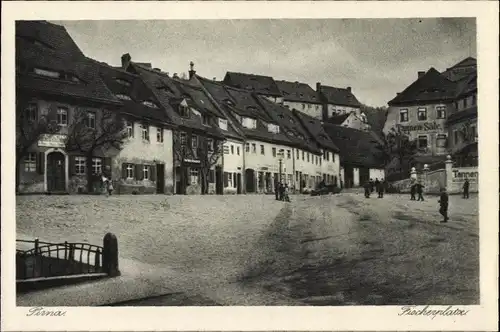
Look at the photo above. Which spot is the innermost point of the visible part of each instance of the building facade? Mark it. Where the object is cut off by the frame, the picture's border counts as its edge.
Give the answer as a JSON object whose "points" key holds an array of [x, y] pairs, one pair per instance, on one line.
{"points": [[301, 97]]}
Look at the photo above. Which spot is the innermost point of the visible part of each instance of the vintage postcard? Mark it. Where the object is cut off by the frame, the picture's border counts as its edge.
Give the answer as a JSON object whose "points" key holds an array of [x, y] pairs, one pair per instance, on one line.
{"points": [[240, 166]]}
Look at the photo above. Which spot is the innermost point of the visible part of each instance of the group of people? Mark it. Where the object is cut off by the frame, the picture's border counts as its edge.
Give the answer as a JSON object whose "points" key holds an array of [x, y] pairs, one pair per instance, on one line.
{"points": [[370, 186], [417, 188], [281, 192]]}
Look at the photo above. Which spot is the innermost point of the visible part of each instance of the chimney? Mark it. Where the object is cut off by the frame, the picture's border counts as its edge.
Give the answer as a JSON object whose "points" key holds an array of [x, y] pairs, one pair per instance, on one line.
{"points": [[191, 70], [318, 86], [215, 79], [126, 58], [421, 73], [348, 88], [175, 75]]}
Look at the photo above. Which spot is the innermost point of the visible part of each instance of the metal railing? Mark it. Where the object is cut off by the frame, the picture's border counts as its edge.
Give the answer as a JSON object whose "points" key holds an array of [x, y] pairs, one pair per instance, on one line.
{"points": [[47, 259]]}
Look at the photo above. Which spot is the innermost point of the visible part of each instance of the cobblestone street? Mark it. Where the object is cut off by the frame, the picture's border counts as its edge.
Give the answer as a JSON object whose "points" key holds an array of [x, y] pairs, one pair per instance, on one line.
{"points": [[328, 250]]}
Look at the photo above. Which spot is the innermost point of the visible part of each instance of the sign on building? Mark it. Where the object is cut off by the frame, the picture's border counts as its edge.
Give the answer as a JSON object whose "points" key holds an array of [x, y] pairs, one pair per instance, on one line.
{"points": [[52, 141], [459, 174]]}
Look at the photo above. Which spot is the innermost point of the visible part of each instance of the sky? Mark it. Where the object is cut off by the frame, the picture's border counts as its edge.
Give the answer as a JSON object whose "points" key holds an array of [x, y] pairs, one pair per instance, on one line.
{"points": [[375, 57]]}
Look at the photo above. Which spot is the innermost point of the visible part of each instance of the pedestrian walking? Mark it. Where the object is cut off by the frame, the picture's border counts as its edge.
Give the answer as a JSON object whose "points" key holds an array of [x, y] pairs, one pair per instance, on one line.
{"points": [[286, 195], [276, 190], [282, 191], [466, 188], [443, 204], [110, 187], [413, 190], [380, 188], [367, 189], [377, 182], [420, 191], [372, 185]]}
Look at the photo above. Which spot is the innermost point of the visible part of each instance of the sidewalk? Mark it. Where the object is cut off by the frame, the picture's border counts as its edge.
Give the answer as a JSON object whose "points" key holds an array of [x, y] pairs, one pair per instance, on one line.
{"points": [[137, 281]]}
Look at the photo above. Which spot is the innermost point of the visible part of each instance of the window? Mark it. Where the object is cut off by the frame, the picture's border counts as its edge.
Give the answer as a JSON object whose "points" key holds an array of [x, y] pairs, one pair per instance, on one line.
{"points": [[80, 165], [303, 154], [130, 128], [146, 172], [194, 142], [274, 152], [474, 100], [229, 180], [90, 120], [31, 112], [456, 138], [205, 119], [441, 141], [183, 138], [473, 132], [232, 149], [333, 157], [403, 115], [159, 135], [247, 147], [262, 151], [193, 176], [249, 123], [465, 103], [62, 116], [441, 112], [47, 73], [129, 171], [238, 150], [288, 154], [308, 157], [30, 162], [254, 148], [327, 156], [183, 111], [223, 124], [96, 165], [272, 128], [149, 104], [145, 131], [123, 97], [422, 142], [123, 82], [422, 114]]}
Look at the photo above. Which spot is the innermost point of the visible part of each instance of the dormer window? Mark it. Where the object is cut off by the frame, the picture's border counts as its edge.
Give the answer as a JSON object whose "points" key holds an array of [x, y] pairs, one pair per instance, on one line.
{"points": [[123, 97], [183, 111], [249, 123], [47, 73], [205, 119], [229, 102], [272, 128], [122, 82], [149, 104], [222, 124]]}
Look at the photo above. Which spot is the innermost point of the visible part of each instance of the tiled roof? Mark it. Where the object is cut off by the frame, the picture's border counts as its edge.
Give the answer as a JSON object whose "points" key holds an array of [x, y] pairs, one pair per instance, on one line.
{"points": [[298, 92], [241, 103], [339, 96], [467, 85], [356, 147], [432, 86], [257, 83], [168, 92], [463, 115], [46, 46], [316, 130], [288, 122], [338, 119], [461, 69], [121, 82], [376, 119]]}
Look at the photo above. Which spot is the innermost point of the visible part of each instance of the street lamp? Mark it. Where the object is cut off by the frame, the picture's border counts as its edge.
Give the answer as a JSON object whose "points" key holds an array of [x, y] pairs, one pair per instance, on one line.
{"points": [[281, 155]]}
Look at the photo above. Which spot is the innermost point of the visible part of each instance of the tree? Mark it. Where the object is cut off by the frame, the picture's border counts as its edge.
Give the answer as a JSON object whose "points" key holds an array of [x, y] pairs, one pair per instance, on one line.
{"points": [[468, 131], [398, 145], [31, 125], [91, 132], [195, 147]]}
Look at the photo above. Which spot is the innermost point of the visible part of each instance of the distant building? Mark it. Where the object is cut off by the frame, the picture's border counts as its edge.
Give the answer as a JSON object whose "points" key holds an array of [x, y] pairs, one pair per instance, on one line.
{"points": [[461, 70], [301, 97], [261, 85], [337, 101], [350, 120], [361, 157]]}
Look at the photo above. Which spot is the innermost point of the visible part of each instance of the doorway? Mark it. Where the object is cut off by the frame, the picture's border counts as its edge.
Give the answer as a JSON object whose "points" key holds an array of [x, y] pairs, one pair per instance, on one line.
{"points": [[219, 181], [238, 183], [56, 172], [250, 180], [160, 178]]}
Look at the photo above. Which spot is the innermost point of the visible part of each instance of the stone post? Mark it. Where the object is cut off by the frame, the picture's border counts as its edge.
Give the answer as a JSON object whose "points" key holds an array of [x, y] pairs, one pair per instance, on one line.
{"points": [[448, 171], [425, 180], [110, 255]]}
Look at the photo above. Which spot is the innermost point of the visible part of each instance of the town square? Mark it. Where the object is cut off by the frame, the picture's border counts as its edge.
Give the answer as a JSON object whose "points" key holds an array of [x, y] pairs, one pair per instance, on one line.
{"points": [[259, 166]]}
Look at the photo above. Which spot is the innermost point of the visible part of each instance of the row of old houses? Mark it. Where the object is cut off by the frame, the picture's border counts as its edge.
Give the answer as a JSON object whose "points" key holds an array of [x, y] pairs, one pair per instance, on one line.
{"points": [[243, 134], [439, 111]]}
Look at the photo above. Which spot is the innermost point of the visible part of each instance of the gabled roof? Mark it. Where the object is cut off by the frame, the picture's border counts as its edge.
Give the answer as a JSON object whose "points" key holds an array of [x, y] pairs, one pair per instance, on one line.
{"points": [[169, 92], [315, 129], [467, 85], [46, 46], [376, 118], [121, 82], [338, 119], [467, 62], [356, 147], [432, 86], [338, 96], [289, 124], [298, 92], [240, 103], [461, 69], [260, 84]]}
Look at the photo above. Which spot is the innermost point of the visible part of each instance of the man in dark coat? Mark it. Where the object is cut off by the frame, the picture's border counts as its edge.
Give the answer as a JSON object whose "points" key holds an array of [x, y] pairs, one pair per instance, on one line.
{"points": [[372, 185], [420, 191], [380, 188], [466, 188], [377, 182], [443, 204], [276, 190], [413, 190], [368, 188]]}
